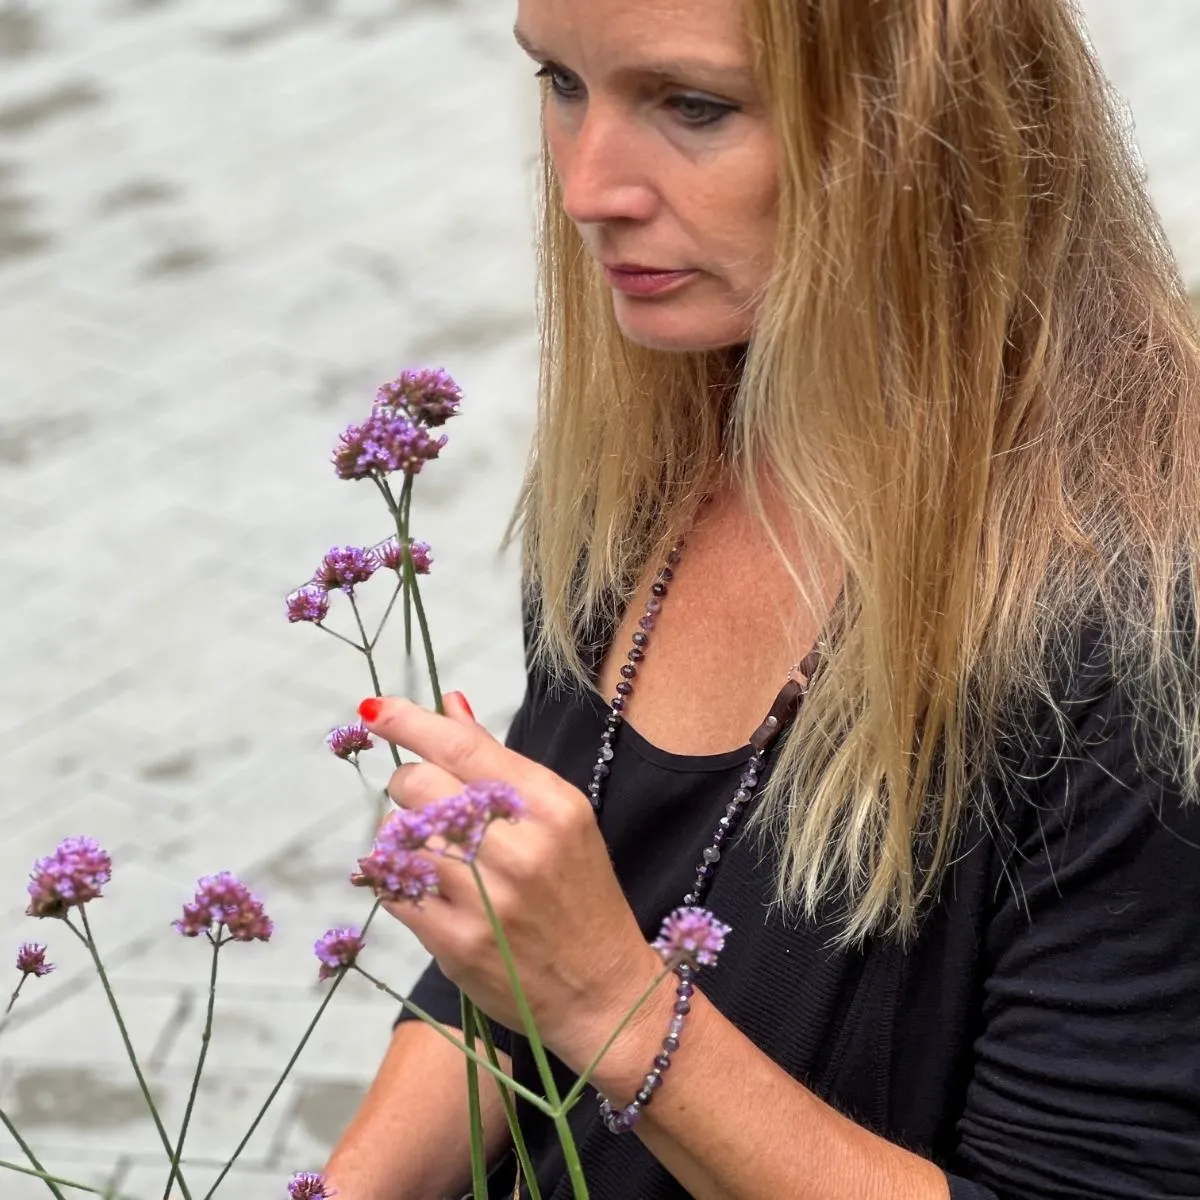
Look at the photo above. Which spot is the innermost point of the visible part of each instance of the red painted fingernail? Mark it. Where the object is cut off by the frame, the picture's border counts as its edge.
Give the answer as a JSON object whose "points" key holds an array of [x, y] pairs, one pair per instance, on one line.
{"points": [[463, 701], [370, 708]]}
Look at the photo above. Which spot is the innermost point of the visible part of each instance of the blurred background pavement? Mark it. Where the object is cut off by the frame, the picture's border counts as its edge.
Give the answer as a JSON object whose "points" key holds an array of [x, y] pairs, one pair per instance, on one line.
{"points": [[222, 225]]}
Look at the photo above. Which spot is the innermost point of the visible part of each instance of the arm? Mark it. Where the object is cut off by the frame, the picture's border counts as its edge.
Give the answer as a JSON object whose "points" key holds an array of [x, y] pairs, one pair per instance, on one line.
{"points": [[409, 1140]]}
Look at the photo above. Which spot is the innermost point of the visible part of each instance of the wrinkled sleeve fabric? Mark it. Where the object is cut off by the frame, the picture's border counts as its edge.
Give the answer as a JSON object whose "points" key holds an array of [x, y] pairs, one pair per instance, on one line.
{"points": [[1086, 1075]]}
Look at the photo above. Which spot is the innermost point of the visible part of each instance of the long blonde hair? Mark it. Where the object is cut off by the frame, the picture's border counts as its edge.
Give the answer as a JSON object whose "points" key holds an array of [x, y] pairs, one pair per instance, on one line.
{"points": [[974, 373]]}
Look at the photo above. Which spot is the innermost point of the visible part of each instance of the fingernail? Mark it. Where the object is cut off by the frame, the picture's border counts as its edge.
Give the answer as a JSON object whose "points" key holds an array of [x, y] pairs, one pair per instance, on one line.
{"points": [[370, 708], [463, 701]]}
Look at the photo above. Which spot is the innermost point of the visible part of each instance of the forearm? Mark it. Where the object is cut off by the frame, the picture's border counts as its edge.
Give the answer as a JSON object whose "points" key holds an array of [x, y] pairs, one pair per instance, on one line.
{"points": [[730, 1124], [410, 1138]]}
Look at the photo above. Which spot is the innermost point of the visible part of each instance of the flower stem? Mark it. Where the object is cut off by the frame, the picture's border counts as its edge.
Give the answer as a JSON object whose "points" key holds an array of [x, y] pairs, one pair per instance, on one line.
{"points": [[558, 1115], [287, 1070], [341, 637], [582, 1082], [475, 1112], [510, 1112], [90, 943], [205, 1039], [371, 667], [414, 590], [15, 994], [405, 513], [538, 1102], [387, 612], [38, 1169], [52, 1180]]}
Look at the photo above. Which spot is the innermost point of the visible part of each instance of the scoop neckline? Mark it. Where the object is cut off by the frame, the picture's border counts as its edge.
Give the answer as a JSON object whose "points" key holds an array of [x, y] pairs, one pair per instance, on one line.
{"points": [[666, 759]]}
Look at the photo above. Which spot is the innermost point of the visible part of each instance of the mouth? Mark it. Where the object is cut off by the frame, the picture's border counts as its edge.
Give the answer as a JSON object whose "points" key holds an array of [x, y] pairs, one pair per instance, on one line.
{"points": [[637, 280]]}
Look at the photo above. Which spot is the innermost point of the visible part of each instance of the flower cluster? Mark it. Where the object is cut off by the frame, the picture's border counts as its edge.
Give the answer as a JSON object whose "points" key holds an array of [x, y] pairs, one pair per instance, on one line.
{"points": [[308, 1185], [222, 900], [344, 567], [692, 934], [392, 557], [388, 440], [31, 960], [349, 741], [71, 876], [338, 949], [453, 825], [309, 603], [430, 397]]}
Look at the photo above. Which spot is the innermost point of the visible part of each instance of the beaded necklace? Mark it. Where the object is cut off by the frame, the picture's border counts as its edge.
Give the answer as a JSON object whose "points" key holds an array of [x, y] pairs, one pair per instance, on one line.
{"points": [[783, 710]]}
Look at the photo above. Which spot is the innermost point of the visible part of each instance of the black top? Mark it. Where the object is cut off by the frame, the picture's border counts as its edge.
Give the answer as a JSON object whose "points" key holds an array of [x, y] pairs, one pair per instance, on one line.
{"points": [[1039, 1039]]}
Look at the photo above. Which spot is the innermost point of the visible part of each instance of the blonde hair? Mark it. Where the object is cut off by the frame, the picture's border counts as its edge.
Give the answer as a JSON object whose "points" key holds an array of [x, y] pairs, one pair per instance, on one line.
{"points": [[974, 373]]}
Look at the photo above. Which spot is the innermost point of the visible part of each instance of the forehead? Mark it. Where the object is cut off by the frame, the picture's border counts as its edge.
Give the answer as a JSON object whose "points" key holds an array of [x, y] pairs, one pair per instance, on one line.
{"points": [[604, 30]]}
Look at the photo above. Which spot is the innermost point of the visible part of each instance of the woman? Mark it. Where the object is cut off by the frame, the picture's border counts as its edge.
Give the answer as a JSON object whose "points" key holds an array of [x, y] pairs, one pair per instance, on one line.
{"points": [[864, 300]]}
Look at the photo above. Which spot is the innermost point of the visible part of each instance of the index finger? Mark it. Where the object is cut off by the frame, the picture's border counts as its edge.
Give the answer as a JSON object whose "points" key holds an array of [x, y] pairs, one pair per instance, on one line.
{"points": [[468, 752]]}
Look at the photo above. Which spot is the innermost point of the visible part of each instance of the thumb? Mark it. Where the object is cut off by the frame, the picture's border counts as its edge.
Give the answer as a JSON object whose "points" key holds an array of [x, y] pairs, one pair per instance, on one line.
{"points": [[457, 708]]}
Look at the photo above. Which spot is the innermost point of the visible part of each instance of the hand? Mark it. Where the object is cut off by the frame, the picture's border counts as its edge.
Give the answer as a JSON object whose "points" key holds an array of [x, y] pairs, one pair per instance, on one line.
{"points": [[581, 958]]}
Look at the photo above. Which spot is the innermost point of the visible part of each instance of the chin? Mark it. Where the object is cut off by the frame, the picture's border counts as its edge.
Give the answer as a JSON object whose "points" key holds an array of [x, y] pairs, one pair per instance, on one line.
{"points": [[678, 332]]}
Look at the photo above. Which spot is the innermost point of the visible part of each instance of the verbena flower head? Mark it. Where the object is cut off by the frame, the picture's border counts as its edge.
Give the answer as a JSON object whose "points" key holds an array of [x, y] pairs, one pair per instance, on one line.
{"points": [[430, 397], [421, 556], [346, 566], [337, 949], [693, 933], [390, 555], [31, 960], [406, 829], [499, 801], [308, 1185], [223, 900], [388, 440], [349, 741], [309, 603], [71, 876], [395, 874], [462, 820]]}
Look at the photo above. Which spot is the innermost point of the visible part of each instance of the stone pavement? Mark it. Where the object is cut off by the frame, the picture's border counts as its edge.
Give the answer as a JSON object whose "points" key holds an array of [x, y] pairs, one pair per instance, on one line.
{"points": [[221, 225]]}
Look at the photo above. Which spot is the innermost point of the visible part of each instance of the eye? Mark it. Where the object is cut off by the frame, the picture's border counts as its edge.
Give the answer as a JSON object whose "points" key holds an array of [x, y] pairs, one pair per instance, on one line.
{"points": [[696, 111], [564, 86]]}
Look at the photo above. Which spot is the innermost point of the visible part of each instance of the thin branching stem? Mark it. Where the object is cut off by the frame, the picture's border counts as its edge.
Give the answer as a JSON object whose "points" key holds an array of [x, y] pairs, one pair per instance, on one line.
{"points": [[38, 1169]]}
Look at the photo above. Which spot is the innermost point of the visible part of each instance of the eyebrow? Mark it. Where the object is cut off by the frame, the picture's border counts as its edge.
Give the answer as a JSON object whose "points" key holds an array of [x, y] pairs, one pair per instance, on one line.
{"points": [[661, 68]]}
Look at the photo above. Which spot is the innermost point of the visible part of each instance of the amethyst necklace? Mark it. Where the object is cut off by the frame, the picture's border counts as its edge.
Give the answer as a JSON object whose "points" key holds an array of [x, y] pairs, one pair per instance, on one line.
{"points": [[784, 708]]}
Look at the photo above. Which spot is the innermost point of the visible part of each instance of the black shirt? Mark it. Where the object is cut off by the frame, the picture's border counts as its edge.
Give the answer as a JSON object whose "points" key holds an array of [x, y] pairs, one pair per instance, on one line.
{"points": [[1040, 1038]]}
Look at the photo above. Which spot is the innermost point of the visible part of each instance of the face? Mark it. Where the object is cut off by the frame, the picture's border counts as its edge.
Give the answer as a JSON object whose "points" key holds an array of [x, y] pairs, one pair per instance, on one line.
{"points": [[665, 156]]}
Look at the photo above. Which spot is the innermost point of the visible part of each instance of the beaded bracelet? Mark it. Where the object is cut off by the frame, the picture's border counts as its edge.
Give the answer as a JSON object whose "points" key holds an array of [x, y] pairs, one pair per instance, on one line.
{"points": [[624, 1119]]}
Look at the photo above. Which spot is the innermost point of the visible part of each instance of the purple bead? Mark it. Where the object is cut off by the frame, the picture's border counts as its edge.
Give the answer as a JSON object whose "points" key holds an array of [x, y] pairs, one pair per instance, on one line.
{"points": [[724, 822], [641, 639], [671, 1043], [652, 1082], [643, 1097], [653, 605], [691, 898], [712, 855], [741, 796], [658, 589], [617, 703], [629, 1115], [600, 770], [666, 575], [662, 1062], [703, 871], [629, 671], [625, 688], [685, 971], [685, 990], [606, 753], [674, 556], [676, 1027], [682, 1007], [647, 622], [636, 654]]}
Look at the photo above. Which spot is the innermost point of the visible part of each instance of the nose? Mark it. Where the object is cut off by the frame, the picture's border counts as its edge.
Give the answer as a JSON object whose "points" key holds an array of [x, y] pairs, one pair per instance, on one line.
{"points": [[602, 174]]}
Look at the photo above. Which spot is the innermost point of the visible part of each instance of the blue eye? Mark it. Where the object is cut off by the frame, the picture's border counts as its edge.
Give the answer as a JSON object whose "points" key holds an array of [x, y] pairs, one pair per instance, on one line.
{"points": [[555, 77], [697, 112]]}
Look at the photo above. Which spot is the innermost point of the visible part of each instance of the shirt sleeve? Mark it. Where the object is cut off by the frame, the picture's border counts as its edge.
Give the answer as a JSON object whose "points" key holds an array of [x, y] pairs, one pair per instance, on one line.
{"points": [[1086, 1076]]}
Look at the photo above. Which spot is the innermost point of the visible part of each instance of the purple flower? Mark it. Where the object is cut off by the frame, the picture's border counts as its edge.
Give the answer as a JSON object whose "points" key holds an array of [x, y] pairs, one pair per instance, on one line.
{"points": [[406, 829], [337, 949], [693, 933], [421, 556], [309, 603], [392, 557], [348, 741], [31, 960], [388, 440], [223, 900], [345, 566], [498, 801], [395, 874], [461, 820], [308, 1185], [71, 876], [430, 397]]}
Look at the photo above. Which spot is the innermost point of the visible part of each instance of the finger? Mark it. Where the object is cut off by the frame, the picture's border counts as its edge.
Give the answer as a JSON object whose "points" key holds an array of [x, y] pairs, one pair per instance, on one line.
{"points": [[457, 708], [414, 785], [469, 753]]}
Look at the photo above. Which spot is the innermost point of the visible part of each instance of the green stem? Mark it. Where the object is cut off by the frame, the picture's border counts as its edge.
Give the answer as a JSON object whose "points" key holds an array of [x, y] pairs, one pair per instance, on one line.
{"points": [[561, 1126], [474, 1110], [341, 637], [414, 590], [405, 514], [205, 1039], [287, 1070], [538, 1102], [38, 1169], [386, 613], [52, 1180], [15, 994], [371, 667], [577, 1090], [510, 1113], [90, 943]]}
